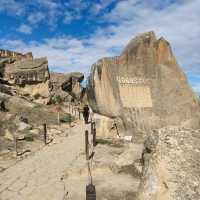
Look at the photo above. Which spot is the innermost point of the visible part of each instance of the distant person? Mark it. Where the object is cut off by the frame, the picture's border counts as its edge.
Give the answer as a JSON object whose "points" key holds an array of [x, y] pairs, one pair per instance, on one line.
{"points": [[86, 113]]}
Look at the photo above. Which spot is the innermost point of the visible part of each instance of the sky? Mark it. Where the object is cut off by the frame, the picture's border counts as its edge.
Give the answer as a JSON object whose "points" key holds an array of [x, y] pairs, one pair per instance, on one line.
{"points": [[74, 34]]}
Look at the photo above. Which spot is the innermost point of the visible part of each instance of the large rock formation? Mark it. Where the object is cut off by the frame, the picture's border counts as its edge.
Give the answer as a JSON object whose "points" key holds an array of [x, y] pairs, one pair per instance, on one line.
{"points": [[27, 76], [68, 86], [144, 87], [72, 85]]}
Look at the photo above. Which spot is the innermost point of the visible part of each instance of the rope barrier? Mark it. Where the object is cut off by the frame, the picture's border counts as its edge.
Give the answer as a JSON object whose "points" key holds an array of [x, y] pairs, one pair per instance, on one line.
{"points": [[89, 149]]}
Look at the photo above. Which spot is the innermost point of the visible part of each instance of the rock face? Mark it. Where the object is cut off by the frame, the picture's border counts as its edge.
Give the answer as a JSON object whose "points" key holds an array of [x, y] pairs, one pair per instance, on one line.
{"points": [[144, 87], [27, 76], [14, 55], [57, 79], [72, 84], [171, 165], [67, 86]]}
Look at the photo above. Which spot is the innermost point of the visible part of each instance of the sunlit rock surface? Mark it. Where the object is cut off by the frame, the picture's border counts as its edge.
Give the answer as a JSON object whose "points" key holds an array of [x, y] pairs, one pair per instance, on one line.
{"points": [[144, 87]]}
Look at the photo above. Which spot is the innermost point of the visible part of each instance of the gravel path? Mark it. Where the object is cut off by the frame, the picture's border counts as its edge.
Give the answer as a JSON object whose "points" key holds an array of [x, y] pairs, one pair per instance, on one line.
{"points": [[40, 175]]}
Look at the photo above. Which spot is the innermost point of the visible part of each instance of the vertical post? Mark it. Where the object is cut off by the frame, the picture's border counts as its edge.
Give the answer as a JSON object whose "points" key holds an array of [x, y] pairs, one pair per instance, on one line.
{"points": [[15, 146], [86, 145], [58, 117], [94, 137], [90, 192], [45, 134], [79, 114], [70, 120], [91, 126]]}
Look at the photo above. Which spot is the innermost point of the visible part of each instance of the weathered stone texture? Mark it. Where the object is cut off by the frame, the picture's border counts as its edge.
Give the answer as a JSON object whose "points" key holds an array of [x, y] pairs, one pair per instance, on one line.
{"points": [[144, 86], [25, 76], [27, 71], [171, 168], [15, 55]]}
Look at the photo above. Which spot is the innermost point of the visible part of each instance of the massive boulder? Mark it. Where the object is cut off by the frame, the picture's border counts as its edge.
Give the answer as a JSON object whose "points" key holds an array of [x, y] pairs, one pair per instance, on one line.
{"points": [[68, 87], [57, 79], [28, 76], [144, 87]]}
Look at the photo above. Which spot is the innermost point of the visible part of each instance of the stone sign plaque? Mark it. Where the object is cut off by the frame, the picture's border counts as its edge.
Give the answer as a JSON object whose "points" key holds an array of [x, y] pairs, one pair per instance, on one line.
{"points": [[134, 92]]}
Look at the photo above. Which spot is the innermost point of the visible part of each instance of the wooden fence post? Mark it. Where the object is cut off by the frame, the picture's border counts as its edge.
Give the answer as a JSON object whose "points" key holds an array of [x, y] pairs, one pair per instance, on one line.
{"points": [[86, 145], [79, 114], [91, 125], [94, 137], [45, 134], [90, 192]]}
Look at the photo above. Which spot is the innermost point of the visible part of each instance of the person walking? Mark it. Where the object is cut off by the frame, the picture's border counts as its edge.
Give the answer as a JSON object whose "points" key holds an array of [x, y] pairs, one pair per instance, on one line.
{"points": [[86, 113]]}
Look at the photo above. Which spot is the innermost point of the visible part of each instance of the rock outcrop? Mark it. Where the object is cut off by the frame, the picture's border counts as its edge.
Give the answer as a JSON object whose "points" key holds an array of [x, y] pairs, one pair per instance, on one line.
{"points": [[144, 87], [25, 75], [72, 84], [68, 86], [171, 165]]}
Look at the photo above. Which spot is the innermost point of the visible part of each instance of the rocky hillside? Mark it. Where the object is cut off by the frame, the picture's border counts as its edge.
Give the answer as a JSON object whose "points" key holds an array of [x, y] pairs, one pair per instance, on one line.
{"points": [[22, 75]]}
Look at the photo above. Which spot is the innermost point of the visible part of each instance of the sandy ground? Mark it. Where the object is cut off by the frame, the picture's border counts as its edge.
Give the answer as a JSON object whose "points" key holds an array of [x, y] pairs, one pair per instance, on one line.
{"points": [[59, 171]]}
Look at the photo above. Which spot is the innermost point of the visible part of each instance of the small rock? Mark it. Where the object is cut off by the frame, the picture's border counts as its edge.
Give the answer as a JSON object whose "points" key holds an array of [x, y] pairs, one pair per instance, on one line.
{"points": [[23, 126], [29, 137], [20, 137], [35, 131], [23, 119], [8, 135]]}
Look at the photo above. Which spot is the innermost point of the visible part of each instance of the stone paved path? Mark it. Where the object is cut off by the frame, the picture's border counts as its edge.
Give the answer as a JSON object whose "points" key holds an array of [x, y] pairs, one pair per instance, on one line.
{"points": [[39, 176]]}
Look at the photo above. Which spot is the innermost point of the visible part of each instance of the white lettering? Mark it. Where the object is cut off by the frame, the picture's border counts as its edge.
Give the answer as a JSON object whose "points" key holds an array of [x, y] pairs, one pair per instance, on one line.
{"points": [[134, 80]]}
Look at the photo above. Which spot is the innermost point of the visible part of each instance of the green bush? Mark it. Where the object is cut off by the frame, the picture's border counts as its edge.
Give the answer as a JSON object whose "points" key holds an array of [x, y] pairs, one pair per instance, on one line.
{"points": [[56, 99], [66, 119], [104, 141]]}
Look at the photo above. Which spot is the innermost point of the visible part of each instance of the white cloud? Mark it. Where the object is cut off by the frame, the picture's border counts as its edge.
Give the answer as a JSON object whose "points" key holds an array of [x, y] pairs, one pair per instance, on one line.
{"points": [[25, 29], [98, 7], [178, 23], [35, 18], [12, 7]]}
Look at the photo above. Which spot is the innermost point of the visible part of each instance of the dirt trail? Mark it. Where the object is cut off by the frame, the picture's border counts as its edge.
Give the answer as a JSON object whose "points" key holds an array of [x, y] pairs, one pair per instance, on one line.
{"points": [[39, 176]]}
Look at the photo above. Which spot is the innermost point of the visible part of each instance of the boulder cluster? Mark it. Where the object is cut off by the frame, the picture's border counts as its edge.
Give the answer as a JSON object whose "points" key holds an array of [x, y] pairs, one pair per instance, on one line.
{"points": [[23, 75], [28, 77]]}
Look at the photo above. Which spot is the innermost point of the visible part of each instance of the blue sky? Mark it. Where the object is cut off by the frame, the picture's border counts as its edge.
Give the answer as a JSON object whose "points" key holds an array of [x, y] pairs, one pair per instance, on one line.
{"points": [[73, 34]]}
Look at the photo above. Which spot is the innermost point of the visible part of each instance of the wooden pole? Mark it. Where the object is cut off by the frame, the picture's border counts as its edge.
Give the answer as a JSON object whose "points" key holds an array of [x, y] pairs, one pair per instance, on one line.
{"points": [[90, 192], [91, 125], [79, 114], [86, 145], [94, 137], [69, 107], [58, 117], [45, 134]]}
